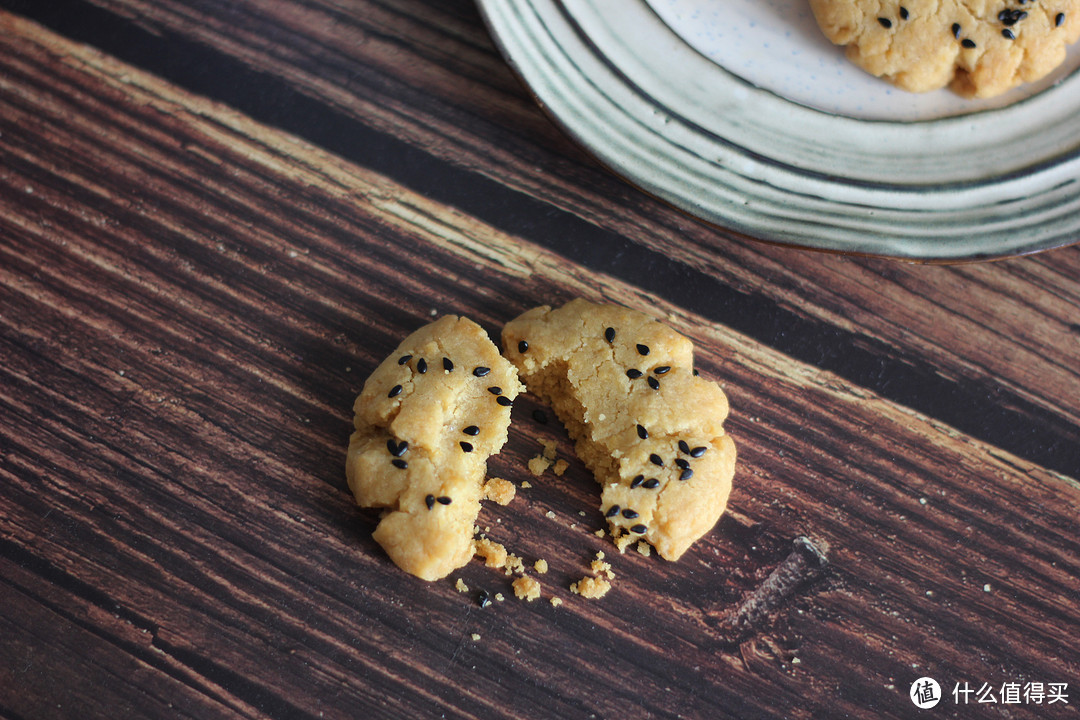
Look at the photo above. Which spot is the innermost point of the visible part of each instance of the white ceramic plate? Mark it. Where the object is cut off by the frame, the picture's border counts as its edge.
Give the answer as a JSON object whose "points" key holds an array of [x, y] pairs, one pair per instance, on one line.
{"points": [[746, 118]]}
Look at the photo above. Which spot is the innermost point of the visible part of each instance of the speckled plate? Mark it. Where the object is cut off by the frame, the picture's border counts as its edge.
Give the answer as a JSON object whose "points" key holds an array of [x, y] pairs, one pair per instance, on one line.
{"points": [[738, 112]]}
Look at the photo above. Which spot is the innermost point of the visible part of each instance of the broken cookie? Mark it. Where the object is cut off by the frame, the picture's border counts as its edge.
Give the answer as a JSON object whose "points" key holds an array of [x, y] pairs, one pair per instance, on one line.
{"points": [[644, 423], [425, 423]]}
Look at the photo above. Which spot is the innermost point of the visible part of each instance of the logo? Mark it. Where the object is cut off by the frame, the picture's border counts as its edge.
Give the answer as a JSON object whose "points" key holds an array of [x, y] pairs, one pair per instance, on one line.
{"points": [[925, 693]]}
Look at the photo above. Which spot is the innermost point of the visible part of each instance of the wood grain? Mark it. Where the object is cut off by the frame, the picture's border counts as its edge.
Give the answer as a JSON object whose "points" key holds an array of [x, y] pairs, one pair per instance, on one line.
{"points": [[423, 79], [189, 302]]}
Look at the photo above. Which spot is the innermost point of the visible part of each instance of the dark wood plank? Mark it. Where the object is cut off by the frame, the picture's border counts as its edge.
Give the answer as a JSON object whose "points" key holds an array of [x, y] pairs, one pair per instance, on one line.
{"points": [[358, 79], [190, 300]]}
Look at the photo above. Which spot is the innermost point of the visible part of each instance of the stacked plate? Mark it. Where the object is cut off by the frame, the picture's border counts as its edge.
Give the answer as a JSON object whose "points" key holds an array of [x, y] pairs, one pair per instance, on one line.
{"points": [[742, 114]]}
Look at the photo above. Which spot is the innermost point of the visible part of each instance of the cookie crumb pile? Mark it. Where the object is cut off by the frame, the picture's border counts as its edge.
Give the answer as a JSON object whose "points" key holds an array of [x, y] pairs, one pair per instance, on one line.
{"points": [[591, 588], [526, 588], [977, 49]]}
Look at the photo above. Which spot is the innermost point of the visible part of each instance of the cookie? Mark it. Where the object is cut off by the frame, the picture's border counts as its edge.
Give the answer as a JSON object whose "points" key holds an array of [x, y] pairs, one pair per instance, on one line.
{"points": [[979, 48], [643, 422], [425, 423]]}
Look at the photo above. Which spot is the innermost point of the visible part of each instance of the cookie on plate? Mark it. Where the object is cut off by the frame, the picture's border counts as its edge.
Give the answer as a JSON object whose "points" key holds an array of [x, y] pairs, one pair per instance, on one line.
{"points": [[978, 48], [644, 423], [425, 423]]}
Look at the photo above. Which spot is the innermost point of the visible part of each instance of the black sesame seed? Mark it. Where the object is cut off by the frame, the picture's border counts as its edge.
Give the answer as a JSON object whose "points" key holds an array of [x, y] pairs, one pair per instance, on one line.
{"points": [[636, 481], [903, 13], [609, 334], [397, 449], [523, 345], [471, 430], [642, 349], [698, 451], [1011, 17], [404, 359], [662, 369], [1059, 19], [447, 364], [399, 463], [1008, 34], [444, 500], [653, 383], [633, 373], [968, 43], [495, 390], [956, 30], [655, 460], [682, 462], [629, 514], [651, 483], [612, 511], [421, 366], [483, 599], [504, 401], [686, 474], [684, 447], [429, 501], [481, 371], [885, 22], [642, 432], [639, 529], [394, 391], [695, 372], [465, 446], [540, 416]]}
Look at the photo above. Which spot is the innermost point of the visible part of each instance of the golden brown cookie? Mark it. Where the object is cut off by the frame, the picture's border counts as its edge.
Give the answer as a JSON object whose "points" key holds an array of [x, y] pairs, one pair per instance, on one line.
{"points": [[650, 430], [426, 422], [979, 48]]}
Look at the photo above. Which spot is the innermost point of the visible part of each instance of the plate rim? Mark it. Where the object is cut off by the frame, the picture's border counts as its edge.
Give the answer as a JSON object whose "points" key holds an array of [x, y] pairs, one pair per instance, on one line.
{"points": [[893, 235]]}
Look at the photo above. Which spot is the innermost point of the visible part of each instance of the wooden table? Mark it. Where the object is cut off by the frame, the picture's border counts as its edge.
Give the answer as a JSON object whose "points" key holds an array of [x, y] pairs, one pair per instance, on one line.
{"points": [[216, 218]]}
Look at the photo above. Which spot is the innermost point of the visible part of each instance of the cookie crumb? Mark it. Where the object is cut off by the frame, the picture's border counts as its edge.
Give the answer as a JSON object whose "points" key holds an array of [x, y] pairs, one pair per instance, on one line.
{"points": [[556, 602], [560, 467], [591, 588], [499, 597], [461, 586], [526, 588], [475, 637], [513, 564], [623, 541], [600, 567], [539, 465], [644, 548], [541, 566], [550, 449], [499, 491], [550, 514], [600, 533], [526, 485], [493, 553]]}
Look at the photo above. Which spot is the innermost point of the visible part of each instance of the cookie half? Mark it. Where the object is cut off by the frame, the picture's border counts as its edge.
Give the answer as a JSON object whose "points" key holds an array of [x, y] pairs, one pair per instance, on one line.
{"points": [[978, 48], [649, 429], [425, 423]]}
